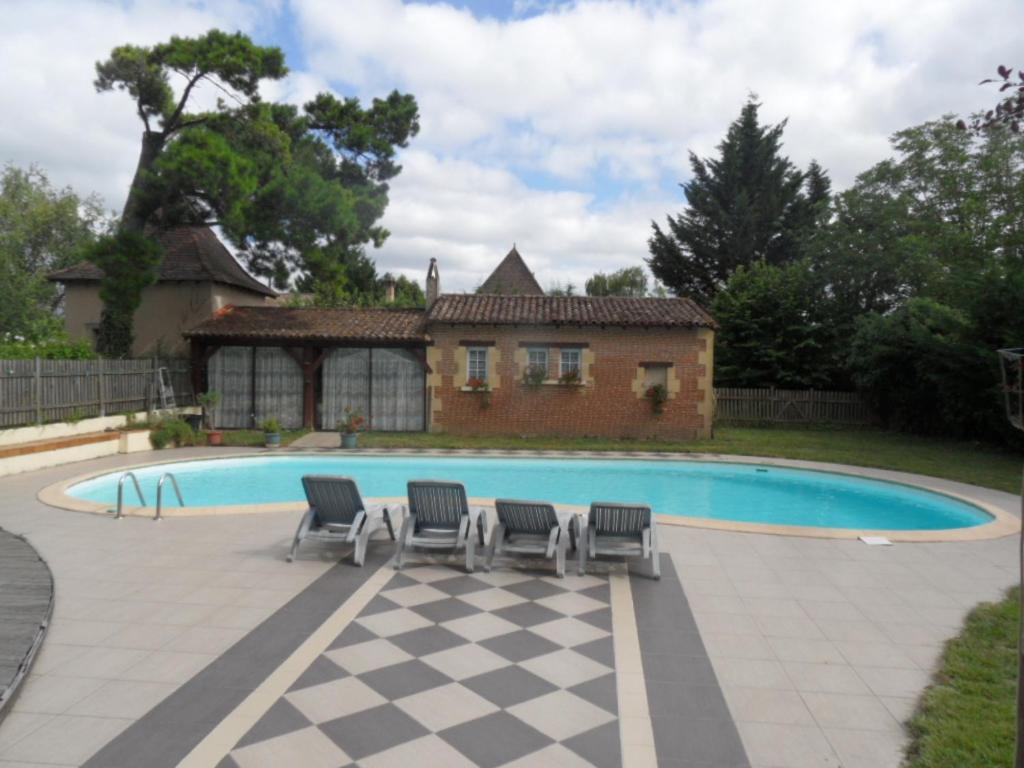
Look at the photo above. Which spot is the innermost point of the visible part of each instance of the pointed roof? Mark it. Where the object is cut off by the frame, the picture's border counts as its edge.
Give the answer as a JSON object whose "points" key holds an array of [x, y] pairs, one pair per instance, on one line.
{"points": [[512, 277], [191, 254]]}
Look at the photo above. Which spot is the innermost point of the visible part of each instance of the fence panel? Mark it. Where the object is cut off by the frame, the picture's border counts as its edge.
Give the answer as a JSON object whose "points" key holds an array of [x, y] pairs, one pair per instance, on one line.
{"points": [[40, 391], [737, 405]]}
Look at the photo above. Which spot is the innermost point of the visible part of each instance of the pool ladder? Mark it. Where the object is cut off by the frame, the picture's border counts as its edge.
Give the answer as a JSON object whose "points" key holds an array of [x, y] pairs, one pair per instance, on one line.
{"points": [[119, 512]]}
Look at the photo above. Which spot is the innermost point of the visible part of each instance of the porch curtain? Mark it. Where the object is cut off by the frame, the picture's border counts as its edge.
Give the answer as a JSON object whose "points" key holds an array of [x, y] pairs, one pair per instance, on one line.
{"points": [[346, 381], [278, 387], [398, 387], [230, 374]]}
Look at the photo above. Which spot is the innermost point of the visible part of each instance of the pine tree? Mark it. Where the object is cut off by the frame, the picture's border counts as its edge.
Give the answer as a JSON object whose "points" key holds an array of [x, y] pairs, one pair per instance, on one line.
{"points": [[744, 206]]}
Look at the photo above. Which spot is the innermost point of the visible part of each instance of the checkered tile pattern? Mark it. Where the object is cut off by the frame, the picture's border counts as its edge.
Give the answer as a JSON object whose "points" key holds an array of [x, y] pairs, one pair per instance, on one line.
{"points": [[449, 669]]}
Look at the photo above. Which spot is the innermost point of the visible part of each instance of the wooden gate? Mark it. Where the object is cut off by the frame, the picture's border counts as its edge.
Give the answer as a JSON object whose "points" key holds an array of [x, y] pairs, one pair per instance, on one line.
{"points": [[387, 385]]}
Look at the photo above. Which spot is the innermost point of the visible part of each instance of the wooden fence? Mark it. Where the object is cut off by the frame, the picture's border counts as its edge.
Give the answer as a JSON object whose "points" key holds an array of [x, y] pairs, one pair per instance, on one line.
{"points": [[39, 391], [790, 406]]}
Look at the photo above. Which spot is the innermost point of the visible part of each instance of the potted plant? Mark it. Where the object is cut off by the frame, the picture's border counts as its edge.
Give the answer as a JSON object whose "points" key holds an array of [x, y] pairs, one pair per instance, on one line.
{"points": [[210, 400], [534, 375], [570, 378], [272, 433], [658, 395], [351, 426], [481, 386]]}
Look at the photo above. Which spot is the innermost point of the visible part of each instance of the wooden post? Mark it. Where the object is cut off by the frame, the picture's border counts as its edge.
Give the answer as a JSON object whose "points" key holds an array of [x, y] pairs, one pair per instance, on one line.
{"points": [[39, 390], [101, 393]]}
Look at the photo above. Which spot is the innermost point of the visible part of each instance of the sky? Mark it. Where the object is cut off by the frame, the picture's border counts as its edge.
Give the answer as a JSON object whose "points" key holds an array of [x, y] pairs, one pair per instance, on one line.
{"points": [[562, 127]]}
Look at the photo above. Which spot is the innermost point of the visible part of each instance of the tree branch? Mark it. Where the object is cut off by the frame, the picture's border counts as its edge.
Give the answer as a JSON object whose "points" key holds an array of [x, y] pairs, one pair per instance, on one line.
{"points": [[176, 115]]}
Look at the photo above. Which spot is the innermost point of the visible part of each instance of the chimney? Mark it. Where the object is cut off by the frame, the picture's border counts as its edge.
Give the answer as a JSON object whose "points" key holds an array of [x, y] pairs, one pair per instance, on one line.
{"points": [[433, 283], [389, 289]]}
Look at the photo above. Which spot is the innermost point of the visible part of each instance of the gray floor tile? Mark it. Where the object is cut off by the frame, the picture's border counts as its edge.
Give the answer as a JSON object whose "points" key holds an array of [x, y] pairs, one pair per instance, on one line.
{"points": [[227, 762], [280, 719], [601, 618], [372, 730], [421, 642], [353, 634], [535, 589], [673, 667], [686, 701], [441, 611], [495, 739], [602, 692], [601, 650], [460, 585], [509, 686], [519, 646], [323, 670], [600, 592], [404, 679], [527, 614], [380, 604], [711, 741], [400, 580], [601, 746]]}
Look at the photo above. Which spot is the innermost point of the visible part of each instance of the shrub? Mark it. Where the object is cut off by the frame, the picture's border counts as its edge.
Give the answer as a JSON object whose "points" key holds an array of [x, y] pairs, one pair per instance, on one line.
{"points": [[54, 348], [271, 426], [172, 432]]}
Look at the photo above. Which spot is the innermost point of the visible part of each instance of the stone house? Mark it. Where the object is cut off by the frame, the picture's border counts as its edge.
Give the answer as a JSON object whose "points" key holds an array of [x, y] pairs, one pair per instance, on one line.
{"points": [[198, 277]]}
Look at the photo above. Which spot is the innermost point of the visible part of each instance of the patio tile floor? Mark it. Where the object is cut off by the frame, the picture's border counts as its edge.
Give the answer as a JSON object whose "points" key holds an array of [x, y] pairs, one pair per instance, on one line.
{"points": [[814, 654]]}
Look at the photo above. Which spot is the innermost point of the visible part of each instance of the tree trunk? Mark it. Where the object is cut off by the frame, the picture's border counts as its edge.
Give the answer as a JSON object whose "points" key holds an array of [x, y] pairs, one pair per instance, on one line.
{"points": [[138, 208]]}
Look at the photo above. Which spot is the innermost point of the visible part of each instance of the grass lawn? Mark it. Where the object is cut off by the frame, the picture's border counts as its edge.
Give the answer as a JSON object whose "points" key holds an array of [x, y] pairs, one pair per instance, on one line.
{"points": [[967, 717], [253, 438], [966, 462]]}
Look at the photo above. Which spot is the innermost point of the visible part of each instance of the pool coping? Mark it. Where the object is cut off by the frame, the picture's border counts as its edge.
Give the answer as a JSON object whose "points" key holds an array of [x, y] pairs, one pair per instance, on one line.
{"points": [[1002, 524]]}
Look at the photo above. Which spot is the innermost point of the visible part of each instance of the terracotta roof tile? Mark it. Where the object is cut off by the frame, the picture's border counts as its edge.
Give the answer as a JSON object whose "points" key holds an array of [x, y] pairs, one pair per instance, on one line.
{"points": [[481, 309], [192, 254], [512, 277], [339, 325]]}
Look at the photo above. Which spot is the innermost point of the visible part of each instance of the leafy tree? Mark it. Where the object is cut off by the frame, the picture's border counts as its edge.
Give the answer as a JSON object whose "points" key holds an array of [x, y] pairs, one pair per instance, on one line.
{"points": [[1009, 111], [296, 191], [41, 229], [773, 329], [922, 371], [629, 281], [743, 206]]}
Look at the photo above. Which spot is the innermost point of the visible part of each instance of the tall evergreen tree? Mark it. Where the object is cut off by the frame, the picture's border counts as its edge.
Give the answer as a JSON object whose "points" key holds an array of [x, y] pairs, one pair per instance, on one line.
{"points": [[746, 205]]}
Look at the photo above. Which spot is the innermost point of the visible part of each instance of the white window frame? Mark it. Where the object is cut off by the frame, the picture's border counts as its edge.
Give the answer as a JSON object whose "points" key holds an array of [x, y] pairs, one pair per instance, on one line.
{"points": [[577, 363], [471, 366], [542, 353]]}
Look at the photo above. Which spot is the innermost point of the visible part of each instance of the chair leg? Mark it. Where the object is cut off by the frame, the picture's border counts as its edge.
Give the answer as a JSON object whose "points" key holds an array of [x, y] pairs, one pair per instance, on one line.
{"points": [[581, 546], [363, 539], [387, 521], [497, 534], [404, 535], [470, 553], [560, 548], [300, 534], [655, 554]]}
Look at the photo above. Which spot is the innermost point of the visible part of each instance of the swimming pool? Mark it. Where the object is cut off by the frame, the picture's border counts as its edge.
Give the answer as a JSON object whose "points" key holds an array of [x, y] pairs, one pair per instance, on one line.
{"points": [[744, 493]]}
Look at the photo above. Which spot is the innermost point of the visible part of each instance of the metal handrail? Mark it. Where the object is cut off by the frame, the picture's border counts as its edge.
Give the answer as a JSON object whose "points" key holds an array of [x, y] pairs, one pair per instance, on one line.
{"points": [[120, 493], [160, 493]]}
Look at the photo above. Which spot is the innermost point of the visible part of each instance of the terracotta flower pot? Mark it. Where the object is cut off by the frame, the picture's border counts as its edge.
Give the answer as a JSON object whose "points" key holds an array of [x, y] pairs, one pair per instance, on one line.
{"points": [[215, 438]]}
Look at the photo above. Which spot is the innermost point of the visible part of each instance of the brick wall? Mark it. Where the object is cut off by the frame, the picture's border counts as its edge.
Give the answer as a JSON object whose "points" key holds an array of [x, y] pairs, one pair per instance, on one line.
{"points": [[610, 403]]}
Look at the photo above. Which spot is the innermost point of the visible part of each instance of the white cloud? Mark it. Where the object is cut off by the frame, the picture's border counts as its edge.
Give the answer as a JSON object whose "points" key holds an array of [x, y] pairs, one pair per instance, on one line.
{"points": [[602, 98]]}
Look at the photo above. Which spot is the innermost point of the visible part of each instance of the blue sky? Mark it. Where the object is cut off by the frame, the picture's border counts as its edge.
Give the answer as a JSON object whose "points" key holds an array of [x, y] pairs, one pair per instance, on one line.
{"points": [[564, 127]]}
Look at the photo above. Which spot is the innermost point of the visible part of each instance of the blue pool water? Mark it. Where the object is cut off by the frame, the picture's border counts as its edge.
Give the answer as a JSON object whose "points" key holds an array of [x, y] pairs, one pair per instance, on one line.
{"points": [[722, 491]]}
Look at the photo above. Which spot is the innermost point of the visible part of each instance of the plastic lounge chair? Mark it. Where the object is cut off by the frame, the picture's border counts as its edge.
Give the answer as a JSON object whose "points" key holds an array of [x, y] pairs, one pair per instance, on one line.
{"points": [[337, 512], [439, 518], [529, 528], [626, 530]]}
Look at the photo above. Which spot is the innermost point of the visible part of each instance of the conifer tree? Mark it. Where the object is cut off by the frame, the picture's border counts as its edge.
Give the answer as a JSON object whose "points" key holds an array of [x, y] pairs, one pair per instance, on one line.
{"points": [[744, 206]]}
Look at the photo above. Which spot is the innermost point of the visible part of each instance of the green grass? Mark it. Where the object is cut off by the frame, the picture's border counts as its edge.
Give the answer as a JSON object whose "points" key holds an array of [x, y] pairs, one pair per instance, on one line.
{"points": [[965, 462], [249, 438], [966, 717]]}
